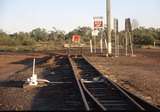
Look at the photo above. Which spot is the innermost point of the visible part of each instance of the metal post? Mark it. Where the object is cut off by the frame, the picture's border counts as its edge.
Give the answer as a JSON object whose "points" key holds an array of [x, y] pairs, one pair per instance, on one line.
{"points": [[106, 44], [126, 38], [70, 42], [115, 35], [34, 61], [95, 44], [101, 44], [154, 44], [91, 46], [131, 44], [118, 45], [108, 7], [33, 80], [101, 41]]}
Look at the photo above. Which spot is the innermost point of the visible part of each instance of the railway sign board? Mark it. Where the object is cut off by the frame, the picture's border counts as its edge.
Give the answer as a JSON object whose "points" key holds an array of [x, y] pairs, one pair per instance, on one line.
{"points": [[98, 23], [76, 38]]}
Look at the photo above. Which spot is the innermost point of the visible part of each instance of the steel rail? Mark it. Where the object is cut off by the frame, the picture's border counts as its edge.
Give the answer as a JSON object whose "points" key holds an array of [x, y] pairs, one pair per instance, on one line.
{"points": [[79, 85], [85, 89], [94, 98], [131, 99], [145, 106]]}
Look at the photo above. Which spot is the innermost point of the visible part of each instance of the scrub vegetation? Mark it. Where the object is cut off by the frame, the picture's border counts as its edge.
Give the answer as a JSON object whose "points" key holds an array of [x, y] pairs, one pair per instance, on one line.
{"points": [[40, 39]]}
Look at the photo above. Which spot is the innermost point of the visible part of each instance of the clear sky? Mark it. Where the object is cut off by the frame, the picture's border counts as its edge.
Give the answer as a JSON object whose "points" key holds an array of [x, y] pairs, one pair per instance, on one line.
{"points": [[25, 15]]}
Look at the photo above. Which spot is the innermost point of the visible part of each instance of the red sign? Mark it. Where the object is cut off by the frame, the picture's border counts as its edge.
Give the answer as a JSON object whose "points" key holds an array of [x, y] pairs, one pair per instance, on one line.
{"points": [[76, 38], [98, 23]]}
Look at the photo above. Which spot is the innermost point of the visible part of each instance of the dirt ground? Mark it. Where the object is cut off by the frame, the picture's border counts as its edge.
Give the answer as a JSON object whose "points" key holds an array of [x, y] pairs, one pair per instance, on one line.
{"points": [[12, 62], [140, 74], [45, 96]]}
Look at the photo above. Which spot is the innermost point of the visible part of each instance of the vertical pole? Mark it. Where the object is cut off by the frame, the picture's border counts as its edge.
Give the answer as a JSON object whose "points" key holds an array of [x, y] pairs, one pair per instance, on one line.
{"points": [[118, 45], [34, 61], [108, 7], [106, 44], [117, 30], [115, 35], [131, 44], [95, 44], [115, 44], [70, 41], [126, 38], [91, 46], [101, 42]]}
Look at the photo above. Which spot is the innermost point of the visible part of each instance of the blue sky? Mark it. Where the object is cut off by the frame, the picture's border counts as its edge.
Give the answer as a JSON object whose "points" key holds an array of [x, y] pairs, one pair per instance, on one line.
{"points": [[25, 15]]}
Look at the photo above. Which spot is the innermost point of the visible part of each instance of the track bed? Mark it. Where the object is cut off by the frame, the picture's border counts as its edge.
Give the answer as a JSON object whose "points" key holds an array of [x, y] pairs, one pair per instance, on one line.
{"points": [[108, 94]]}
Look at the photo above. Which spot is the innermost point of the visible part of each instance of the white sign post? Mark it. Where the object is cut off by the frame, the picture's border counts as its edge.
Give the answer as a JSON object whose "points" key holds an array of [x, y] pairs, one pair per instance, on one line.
{"points": [[33, 80], [98, 23], [98, 26]]}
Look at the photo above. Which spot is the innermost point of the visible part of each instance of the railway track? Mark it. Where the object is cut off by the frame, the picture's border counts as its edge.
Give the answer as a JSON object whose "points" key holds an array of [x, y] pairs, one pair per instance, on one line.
{"points": [[67, 95], [71, 92], [105, 95], [84, 88]]}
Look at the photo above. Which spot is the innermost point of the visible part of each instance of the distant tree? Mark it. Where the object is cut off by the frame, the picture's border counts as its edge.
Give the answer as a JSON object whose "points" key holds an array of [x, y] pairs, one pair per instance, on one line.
{"points": [[84, 32], [135, 24], [144, 36], [39, 34], [5, 39], [56, 34]]}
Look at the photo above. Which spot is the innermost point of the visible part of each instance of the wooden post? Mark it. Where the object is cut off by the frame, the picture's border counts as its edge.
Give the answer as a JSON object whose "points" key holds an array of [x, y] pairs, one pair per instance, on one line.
{"points": [[34, 61], [131, 44], [91, 46], [101, 40], [95, 44], [126, 38], [154, 44], [118, 45], [106, 44]]}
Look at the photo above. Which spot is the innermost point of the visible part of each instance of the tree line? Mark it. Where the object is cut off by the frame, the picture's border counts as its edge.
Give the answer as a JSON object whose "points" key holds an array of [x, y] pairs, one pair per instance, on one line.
{"points": [[30, 38], [141, 36]]}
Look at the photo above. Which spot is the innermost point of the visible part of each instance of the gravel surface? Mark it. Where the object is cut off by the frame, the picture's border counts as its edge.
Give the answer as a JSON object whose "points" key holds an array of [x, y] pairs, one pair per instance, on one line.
{"points": [[60, 96], [12, 62], [140, 74]]}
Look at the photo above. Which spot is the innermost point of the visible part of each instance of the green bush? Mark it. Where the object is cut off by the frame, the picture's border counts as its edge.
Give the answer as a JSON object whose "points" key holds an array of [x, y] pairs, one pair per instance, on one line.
{"points": [[147, 40], [28, 42], [143, 40], [6, 41]]}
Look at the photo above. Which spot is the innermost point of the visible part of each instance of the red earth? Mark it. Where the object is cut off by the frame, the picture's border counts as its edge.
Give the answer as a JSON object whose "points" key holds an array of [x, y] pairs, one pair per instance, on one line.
{"points": [[140, 74], [12, 62]]}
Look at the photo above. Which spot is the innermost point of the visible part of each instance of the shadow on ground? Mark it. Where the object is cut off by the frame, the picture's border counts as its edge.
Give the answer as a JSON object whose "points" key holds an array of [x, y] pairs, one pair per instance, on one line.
{"points": [[12, 83], [58, 96], [28, 61]]}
